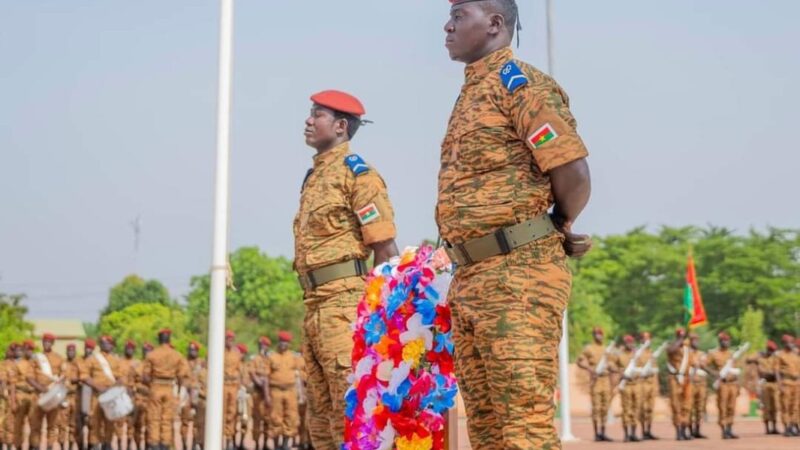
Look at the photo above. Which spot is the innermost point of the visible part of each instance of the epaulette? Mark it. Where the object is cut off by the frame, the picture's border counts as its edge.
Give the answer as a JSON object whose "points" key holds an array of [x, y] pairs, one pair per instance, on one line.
{"points": [[356, 164], [512, 76]]}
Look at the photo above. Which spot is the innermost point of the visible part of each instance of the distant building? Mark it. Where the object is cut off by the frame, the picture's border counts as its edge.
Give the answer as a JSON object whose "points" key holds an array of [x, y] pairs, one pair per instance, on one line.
{"points": [[66, 332]]}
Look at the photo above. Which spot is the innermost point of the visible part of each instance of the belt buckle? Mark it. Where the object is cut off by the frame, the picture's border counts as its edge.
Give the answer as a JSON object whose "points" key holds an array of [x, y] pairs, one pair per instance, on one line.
{"points": [[307, 281], [502, 241], [457, 253]]}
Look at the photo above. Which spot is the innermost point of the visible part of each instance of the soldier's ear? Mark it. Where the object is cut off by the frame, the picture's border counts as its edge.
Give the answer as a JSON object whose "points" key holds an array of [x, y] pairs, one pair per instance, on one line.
{"points": [[340, 127], [497, 24]]}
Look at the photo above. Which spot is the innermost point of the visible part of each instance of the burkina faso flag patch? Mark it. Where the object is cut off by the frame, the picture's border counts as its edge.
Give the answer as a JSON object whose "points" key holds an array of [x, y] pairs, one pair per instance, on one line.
{"points": [[543, 135]]}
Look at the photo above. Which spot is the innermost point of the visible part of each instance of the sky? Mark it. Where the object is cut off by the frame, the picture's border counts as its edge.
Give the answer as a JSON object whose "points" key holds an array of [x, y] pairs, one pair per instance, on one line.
{"points": [[108, 113]]}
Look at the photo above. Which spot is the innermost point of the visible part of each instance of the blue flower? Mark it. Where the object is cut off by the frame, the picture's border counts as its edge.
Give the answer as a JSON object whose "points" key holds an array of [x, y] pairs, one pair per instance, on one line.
{"points": [[443, 341], [442, 397], [396, 299], [351, 399], [427, 309], [374, 329], [395, 402]]}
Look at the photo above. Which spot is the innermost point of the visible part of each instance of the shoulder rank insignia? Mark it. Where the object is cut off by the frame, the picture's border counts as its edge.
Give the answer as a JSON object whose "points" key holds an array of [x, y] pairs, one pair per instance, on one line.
{"points": [[356, 164], [512, 76]]}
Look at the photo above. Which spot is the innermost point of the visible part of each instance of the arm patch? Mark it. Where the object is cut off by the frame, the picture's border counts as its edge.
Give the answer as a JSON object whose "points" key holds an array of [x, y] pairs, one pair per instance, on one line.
{"points": [[356, 164], [512, 77]]}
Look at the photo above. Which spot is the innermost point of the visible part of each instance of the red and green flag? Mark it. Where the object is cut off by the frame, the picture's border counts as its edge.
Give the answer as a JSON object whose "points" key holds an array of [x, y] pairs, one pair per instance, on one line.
{"points": [[695, 312]]}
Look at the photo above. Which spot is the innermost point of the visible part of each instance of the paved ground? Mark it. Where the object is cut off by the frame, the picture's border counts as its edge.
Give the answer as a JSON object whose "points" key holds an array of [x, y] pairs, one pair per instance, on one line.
{"points": [[751, 433]]}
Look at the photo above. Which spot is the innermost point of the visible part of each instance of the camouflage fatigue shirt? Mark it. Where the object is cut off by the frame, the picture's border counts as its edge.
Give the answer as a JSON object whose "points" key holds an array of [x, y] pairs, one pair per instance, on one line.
{"points": [[591, 356], [787, 364], [165, 363], [56, 365], [340, 213], [500, 145]]}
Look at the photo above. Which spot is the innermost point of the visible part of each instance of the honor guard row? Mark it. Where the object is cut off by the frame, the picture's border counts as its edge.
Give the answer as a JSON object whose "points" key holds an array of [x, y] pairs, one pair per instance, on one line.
{"points": [[89, 401], [632, 371]]}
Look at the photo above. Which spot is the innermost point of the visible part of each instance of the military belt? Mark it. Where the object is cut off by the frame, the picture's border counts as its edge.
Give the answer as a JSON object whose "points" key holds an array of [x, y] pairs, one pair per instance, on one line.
{"points": [[315, 278], [501, 242], [282, 387]]}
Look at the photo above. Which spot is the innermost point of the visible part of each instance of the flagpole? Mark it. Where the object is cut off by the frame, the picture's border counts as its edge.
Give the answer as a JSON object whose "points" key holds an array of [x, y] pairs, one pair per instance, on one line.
{"points": [[563, 347], [219, 266]]}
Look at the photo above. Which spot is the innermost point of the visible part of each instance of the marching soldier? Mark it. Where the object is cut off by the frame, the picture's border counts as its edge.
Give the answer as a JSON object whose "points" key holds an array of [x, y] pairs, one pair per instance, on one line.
{"points": [[197, 392], [257, 373], [137, 422], [768, 387], [6, 412], [596, 360], [698, 376], [344, 215], [70, 431], [648, 385], [127, 366], [281, 383], [189, 409], [84, 394], [243, 397], [47, 367], [680, 387], [164, 368], [22, 393], [233, 379], [787, 368], [728, 389], [103, 371], [511, 152], [627, 361]]}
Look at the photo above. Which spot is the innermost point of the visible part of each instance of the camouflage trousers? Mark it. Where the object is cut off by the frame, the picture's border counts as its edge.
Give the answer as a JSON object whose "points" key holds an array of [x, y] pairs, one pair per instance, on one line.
{"points": [[680, 400], [284, 418], [769, 401], [327, 348], [25, 403], [631, 404], [507, 313], [260, 415], [649, 388], [699, 396], [790, 401], [37, 418], [229, 406], [726, 402], [601, 399], [199, 422], [161, 408]]}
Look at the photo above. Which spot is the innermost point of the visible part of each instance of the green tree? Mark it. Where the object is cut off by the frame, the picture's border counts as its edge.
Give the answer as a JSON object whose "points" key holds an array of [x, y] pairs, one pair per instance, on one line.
{"points": [[751, 329], [141, 322], [132, 290], [13, 326], [267, 297]]}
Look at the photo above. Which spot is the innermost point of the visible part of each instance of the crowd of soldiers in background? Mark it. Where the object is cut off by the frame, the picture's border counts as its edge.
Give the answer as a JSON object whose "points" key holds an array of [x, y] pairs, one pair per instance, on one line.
{"points": [[264, 396], [632, 371]]}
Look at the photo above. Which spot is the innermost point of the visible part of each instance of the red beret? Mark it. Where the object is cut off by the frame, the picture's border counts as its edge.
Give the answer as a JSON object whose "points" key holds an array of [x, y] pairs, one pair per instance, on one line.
{"points": [[230, 334], [70, 346], [107, 339], [242, 348], [165, 331], [284, 336], [13, 346], [771, 345], [628, 339], [147, 346], [339, 101], [48, 337], [597, 330], [723, 336], [787, 338], [130, 344], [90, 343], [263, 340], [680, 332], [195, 345], [645, 335], [28, 344]]}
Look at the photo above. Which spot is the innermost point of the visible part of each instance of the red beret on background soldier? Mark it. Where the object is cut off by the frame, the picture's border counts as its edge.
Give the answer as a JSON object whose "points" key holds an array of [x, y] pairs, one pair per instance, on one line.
{"points": [[510, 154], [344, 216]]}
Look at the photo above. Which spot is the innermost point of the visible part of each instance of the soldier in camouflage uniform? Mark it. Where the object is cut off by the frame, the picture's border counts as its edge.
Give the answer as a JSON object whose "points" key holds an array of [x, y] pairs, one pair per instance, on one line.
{"points": [[680, 387], [6, 415], [728, 387], [189, 410], [69, 424], [511, 152], [257, 373], [344, 216], [698, 376], [648, 385], [630, 392], [590, 358], [787, 369], [47, 367], [768, 386]]}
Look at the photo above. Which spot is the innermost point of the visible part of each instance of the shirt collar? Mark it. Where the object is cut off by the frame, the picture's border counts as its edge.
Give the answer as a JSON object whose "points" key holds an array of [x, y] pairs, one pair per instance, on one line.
{"points": [[489, 63], [331, 155]]}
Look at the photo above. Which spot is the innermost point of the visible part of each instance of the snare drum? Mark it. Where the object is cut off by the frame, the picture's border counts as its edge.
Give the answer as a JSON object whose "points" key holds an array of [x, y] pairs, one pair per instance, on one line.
{"points": [[55, 395], [116, 403]]}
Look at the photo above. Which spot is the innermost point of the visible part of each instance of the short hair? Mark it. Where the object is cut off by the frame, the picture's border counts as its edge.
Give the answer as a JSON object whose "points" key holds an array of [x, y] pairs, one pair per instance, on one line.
{"points": [[353, 122], [506, 8]]}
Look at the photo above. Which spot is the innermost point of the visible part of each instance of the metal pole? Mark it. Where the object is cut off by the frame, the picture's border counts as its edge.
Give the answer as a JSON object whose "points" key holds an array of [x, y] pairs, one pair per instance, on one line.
{"points": [[563, 347], [219, 266]]}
